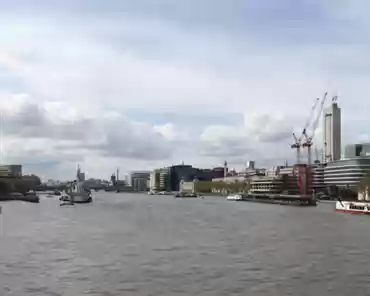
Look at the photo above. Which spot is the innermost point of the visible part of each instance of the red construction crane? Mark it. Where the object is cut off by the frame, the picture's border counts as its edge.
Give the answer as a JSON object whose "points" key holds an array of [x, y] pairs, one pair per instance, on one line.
{"points": [[298, 141], [309, 139]]}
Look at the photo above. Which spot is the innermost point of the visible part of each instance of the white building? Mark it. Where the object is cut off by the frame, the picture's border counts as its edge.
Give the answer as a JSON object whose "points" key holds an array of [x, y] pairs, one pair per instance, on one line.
{"points": [[332, 132]]}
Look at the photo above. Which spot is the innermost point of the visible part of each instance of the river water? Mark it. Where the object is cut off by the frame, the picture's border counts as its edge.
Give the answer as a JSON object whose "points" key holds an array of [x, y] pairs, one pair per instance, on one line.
{"points": [[132, 244]]}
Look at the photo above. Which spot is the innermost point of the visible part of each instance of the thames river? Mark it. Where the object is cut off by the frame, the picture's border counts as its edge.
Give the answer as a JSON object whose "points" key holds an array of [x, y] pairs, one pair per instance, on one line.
{"points": [[132, 244]]}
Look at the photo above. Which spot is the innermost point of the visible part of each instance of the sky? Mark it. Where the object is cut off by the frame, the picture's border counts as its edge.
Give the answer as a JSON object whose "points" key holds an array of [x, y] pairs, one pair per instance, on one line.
{"points": [[150, 83]]}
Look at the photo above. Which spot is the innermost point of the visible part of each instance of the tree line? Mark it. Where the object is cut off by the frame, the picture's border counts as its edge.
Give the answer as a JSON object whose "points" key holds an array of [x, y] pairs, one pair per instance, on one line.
{"points": [[221, 186], [21, 185], [364, 185]]}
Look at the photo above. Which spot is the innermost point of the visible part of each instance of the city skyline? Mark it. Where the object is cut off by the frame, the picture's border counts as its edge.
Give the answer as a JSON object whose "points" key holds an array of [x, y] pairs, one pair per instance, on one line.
{"points": [[142, 86]]}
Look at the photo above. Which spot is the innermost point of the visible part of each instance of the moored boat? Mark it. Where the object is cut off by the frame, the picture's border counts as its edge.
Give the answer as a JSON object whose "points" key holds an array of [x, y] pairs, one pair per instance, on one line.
{"points": [[353, 207], [359, 206]]}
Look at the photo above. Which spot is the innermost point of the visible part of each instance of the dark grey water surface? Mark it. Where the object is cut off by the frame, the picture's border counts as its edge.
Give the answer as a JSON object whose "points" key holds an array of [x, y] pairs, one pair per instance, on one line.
{"points": [[126, 244]]}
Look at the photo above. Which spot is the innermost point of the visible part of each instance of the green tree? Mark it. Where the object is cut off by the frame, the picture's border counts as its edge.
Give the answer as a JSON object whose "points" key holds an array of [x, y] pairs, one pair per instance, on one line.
{"points": [[220, 186], [6, 186], [21, 186], [31, 181], [364, 185]]}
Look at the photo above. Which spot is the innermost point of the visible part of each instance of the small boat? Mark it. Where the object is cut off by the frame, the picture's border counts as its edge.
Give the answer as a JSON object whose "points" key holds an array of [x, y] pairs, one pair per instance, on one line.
{"points": [[235, 197], [165, 193], [353, 207]]}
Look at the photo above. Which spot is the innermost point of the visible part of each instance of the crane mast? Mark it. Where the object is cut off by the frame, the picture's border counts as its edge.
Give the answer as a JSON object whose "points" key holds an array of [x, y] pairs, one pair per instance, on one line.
{"points": [[309, 139], [298, 141]]}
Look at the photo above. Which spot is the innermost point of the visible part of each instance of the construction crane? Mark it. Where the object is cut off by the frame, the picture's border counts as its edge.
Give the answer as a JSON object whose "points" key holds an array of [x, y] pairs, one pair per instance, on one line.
{"points": [[298, 141], [309, 139]]}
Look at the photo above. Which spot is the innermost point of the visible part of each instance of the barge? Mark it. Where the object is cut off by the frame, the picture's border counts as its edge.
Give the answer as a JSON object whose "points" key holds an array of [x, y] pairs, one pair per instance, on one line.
{"points": [[281, 199]]}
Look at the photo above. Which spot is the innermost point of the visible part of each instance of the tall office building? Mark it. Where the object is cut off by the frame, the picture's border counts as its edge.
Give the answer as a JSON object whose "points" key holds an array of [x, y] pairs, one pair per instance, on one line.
{"points": [[332, 132]]}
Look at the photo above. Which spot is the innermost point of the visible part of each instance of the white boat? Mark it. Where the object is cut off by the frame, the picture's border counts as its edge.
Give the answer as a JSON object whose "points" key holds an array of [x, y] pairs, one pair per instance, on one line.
{"points": [[360, 206], [165, 193], [76, 192], [353, 207], [234, 197]]}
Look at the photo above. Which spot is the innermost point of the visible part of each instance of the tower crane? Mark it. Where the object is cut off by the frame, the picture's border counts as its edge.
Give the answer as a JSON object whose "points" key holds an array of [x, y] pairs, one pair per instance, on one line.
{"points": [[298, 141], [309, 139]]}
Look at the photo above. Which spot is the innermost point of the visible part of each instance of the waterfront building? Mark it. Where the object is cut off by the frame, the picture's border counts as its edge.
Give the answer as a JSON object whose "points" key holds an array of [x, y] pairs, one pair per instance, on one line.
{"points": [[267, 184], [289, 174], [164, 179], [12, 170], [168, 179], [284, 179], [346, 172], [332, 132], [159, 180], [154, 180], [318, 183], [180, 173], [231, 179], [139, 180]]}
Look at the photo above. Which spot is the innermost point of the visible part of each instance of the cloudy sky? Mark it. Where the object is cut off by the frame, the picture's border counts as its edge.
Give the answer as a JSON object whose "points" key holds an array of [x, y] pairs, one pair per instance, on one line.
{"points": [[147, 83]]}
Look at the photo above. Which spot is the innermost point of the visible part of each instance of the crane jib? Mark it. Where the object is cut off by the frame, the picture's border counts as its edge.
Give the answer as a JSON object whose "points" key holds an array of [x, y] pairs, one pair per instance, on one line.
{"points": [[315, 121]]}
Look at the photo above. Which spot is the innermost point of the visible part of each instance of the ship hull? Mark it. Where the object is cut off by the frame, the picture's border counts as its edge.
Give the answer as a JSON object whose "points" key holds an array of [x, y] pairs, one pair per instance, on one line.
{"points": [[360, 208]]}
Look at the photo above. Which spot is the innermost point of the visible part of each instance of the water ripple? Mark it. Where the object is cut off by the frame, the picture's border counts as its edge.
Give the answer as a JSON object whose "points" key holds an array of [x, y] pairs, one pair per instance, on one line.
{"points": [[126, 244]]}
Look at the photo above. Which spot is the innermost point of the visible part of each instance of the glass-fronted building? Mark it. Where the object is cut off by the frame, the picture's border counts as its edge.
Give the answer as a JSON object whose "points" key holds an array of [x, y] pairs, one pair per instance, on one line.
{"points": [[346, 172]]}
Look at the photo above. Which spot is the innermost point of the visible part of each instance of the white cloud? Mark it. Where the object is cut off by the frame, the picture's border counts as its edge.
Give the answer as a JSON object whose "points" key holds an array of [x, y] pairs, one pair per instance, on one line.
{"points": [[249, 141], [167, 130], [72, 86]]}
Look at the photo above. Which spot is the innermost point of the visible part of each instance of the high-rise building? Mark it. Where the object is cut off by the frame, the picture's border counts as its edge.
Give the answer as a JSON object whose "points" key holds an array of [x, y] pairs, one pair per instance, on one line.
{"points": [[250, 164], [332, 132]]}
